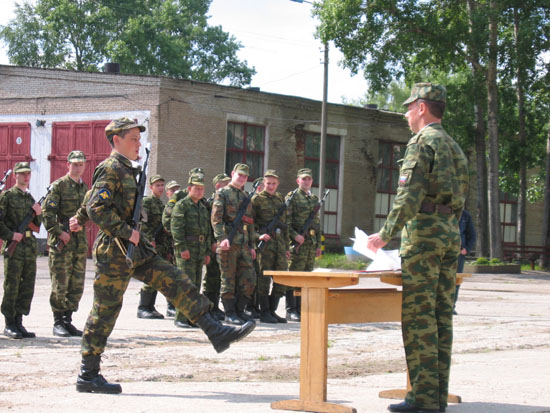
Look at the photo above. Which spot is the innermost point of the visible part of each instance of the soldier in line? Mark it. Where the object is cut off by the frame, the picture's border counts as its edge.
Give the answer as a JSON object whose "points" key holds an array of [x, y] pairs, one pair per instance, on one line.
{"points": [[276, 252], [432, 188], [192, 233], [235, 258], [171, 188], [309, 244], [212, 279], [110, 205], [253, 307], [68, 250], [19, 269], [152, 228]]}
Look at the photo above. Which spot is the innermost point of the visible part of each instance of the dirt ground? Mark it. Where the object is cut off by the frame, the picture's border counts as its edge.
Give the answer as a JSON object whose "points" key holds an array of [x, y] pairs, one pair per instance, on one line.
{"points": [[501, 358]]}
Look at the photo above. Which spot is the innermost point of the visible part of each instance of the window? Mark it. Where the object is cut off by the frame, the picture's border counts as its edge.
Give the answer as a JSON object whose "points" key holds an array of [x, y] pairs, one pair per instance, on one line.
{"points": [[508, 218], [245, 144], [386, 179], [332, 175]]}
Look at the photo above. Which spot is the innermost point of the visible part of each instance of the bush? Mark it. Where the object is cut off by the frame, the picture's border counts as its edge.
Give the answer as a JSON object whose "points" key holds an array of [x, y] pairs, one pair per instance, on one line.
{"points": [[495, 261], [481, 261]]}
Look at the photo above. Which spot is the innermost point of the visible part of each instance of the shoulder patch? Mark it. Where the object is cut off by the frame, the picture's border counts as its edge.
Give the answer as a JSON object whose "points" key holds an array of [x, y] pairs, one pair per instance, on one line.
{"points": [[104, 193], [52, 203]]}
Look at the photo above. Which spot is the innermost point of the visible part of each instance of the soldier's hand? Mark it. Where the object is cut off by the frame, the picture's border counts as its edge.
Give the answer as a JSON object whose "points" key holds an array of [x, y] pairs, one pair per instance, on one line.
{"points": [[253, 253], [207, 260], [265, 237], [214, 246], [65, 237], [74, 226], [134, 238], [37, 209], [318, 252], [464, 251], [225, 245], [374, 242], [299, 239], [185, 255], [288, 255], [17, 236]]}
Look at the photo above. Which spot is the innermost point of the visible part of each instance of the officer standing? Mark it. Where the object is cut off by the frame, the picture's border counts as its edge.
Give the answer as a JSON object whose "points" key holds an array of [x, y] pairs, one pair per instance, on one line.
{"points": [[110, 206], [20, 268], [306, 246], [192, 233], [154, 231], [432, 188], [275, 254], [235, 258], [68, 250]]}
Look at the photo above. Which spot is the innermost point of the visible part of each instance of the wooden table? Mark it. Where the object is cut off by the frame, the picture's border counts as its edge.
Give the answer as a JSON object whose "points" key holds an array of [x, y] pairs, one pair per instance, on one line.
{"points": [[324, 304]]}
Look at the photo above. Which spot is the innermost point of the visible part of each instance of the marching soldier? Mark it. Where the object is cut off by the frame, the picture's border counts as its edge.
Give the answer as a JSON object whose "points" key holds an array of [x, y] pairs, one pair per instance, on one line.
{"points": [[153, 229], [308, 245], [235, 258], [20, 268], [191, 230], [68, 250], [275, 254], [110, 205]]}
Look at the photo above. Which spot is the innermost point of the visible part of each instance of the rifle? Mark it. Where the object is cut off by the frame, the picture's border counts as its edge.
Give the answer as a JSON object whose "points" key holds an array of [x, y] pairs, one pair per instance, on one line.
{"points": [[136, 217], [26, 223], [4, 179], [309, 220], [277, 219], [240, 213]]}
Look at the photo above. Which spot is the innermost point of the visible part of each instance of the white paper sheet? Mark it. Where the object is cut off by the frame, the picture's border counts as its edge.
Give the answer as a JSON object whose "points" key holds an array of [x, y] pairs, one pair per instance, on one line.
{"points": [[382, 260]]}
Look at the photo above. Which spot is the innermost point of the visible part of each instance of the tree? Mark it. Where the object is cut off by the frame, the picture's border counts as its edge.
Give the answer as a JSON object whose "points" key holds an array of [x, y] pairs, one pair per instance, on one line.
{"points": [[161, 37]]}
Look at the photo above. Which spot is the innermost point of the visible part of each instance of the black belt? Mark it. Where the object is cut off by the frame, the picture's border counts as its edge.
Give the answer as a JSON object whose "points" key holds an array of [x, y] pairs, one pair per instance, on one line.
{"points": [[197, 238], [430, 208]]}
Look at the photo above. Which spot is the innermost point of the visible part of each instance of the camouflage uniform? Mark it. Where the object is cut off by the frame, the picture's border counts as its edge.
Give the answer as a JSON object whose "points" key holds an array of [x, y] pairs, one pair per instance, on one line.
{"points": [[68, 264], [19, 269], [191, 230], [432, 187]]}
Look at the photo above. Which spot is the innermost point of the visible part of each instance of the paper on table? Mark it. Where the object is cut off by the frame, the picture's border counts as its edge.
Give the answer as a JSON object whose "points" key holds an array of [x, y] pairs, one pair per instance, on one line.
{"points": [[381, 260]]}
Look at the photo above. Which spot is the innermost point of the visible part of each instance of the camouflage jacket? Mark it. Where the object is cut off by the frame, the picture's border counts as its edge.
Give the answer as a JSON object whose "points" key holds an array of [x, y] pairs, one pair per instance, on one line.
{"points": [[110, 207], [434, 170], [152, 227], [62, 203], [190, 227], [14, 206], [298, 212], [224, 210], [167, 213], [265, 208]]}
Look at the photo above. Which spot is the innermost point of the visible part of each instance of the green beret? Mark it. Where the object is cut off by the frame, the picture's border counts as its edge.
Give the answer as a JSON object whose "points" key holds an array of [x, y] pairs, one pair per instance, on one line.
{"points": [[305, 172], [76, 156], [118, 125], [21, 167], [242, 168], [427, 91], [155, 178]]}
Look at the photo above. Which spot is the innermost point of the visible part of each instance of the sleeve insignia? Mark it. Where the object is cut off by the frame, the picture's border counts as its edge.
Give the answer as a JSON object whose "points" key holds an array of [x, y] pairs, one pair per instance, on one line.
{"points": [[104, 194], [52, 203]]}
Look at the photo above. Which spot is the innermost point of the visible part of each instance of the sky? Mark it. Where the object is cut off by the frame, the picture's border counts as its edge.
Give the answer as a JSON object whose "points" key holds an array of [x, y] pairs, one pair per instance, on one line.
{"points": [[278, 40]]}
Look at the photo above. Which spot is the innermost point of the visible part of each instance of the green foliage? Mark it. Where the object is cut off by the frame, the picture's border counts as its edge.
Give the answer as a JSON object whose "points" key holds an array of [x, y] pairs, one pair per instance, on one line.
{"points": [[495, 261], [481, 261], [161, 37]]}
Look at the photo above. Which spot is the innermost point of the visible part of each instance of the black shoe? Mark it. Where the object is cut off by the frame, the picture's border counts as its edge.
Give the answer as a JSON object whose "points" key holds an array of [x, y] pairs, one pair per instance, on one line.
{"points": [[292, 316], [170, 310], [155, 314], [407, 408], [231, 316], [21, 328], [59, 330], [219, 314], [181, 324], [11, 330], [454, 312], [265, 313], [273, 305], [90, 381], [222, 336], [68, 320], [240, 306]]}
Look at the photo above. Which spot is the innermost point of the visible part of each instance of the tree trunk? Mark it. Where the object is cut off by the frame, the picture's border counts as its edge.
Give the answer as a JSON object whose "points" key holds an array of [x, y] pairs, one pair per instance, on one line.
{"points": [[546, 221], [492, 100]]}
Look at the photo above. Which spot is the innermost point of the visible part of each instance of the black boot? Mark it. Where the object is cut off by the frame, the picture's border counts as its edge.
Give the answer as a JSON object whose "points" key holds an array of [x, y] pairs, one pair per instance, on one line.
{"points": [[181, 321], [216, 312], [222, 336], [68, 320], [230, 312], [240, 305], [90, 381], [170, 309], [152, 309], [11, 330], [291, 312], [59, 327], [23, 330], [146, 301], [273, 304], [265, 311]]}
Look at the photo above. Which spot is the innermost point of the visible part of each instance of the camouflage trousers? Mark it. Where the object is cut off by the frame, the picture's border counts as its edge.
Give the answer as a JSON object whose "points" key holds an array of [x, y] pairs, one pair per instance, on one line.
{"points": [[169, 256], [193, 269], [109, 290], [212, 279], [304, 259], [67, 271], [19, 278], [237, 271], [273, 257]]}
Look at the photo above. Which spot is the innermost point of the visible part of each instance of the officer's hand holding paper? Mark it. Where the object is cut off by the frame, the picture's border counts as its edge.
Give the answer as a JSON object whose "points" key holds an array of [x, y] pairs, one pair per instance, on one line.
{"points": [[382, 260]]}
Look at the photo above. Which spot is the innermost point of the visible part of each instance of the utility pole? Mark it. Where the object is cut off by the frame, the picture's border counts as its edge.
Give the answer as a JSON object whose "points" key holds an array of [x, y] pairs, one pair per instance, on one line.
{"points": [[323, 143]]}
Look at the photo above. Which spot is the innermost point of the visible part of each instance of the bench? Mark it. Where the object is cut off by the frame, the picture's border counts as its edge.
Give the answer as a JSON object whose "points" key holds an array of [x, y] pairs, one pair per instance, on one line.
{"points": [[520, 253], [323, 303]]}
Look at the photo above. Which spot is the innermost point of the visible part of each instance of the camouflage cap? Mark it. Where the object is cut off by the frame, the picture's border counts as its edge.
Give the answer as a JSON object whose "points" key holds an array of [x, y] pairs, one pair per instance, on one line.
{"points": [[196, 179], [76, 156], [260, 180], [271, 172], [220, 178], [428, 91], [305, 172], [198, 170], [242, 168], [117, 125], [21, 167], [155, 178], [172, 184]]}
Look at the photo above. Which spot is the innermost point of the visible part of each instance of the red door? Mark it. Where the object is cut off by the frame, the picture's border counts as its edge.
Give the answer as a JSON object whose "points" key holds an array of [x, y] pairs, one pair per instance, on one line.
{"points": [[88, 137]]}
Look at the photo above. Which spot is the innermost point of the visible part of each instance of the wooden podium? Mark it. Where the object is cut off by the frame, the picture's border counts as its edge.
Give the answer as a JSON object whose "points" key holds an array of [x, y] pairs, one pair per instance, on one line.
{"points": [[324, 304]]}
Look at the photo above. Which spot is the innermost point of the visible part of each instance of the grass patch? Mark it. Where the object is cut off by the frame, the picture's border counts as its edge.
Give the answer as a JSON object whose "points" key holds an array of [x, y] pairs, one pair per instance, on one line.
{"points": [[339, 261]]}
